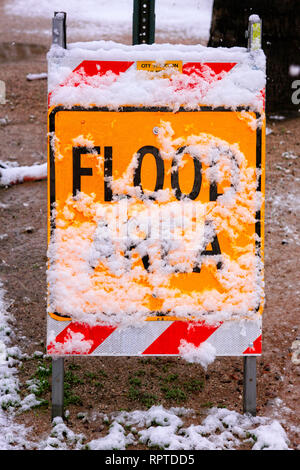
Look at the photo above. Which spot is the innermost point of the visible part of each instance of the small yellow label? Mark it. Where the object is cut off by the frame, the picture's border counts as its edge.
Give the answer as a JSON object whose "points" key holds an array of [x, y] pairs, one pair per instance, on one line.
{"points": [[152, 66], [256, 36]]}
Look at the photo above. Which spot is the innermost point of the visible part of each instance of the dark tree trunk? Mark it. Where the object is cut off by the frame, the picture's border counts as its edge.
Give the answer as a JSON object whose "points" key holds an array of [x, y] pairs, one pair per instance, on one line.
{"points": [[280, 41]]}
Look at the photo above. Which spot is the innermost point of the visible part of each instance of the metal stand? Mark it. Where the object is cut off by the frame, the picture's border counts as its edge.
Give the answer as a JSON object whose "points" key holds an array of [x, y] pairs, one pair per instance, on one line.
{"points": [[143, 27], [249, 395], [57, 387], [144, 33], [59, 37], [59, 34], [254, 35]]}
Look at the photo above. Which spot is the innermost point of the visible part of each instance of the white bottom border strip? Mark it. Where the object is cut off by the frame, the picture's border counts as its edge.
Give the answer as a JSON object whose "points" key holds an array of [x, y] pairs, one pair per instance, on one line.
{"points": [[232, 338]]}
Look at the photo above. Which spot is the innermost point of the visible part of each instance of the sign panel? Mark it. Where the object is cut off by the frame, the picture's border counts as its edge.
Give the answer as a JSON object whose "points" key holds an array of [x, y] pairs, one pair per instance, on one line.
{"points": [[155, 216]]}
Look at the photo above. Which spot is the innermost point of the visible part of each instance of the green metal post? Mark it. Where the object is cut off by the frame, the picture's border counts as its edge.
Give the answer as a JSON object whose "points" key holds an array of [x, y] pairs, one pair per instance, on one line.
{"points": [[143, 27]]}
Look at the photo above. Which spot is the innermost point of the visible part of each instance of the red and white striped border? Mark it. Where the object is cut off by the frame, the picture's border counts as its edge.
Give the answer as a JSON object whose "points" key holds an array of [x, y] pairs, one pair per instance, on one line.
{"points": [[153, 338], [210, 72]]}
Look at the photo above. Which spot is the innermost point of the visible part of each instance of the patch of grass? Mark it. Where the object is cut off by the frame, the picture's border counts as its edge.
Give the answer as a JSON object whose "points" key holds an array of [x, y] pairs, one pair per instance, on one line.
{"points": [[249, 435], [42, 387], [207, 404], [145, 398], [90, 375], [174, 393], [135, 381], [103, 373], [9, 404], [69, 397], [148, 360], [74, 366], [134, 393], [43, 370], [41, 378], [171, 378], [41, 404], [148, 399], [72, 378], [98, 384]]}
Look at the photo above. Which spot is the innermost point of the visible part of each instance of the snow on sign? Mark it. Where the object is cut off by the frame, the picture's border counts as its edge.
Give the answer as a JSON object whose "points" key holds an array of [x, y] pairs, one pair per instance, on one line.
{"points": [[156, 185]]}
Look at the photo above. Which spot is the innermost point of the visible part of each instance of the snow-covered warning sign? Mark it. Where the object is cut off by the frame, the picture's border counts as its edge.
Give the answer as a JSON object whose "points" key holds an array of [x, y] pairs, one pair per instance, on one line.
{"points": [[156, 191]]}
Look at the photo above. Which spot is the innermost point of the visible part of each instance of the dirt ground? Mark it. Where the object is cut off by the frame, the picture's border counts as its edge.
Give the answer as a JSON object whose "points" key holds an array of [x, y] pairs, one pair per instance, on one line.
{"points": [[111, 384]]}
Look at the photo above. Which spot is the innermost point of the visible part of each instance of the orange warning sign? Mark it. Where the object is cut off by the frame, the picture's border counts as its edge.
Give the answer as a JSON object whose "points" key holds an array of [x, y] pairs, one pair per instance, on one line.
{"points": [[157, 214]]}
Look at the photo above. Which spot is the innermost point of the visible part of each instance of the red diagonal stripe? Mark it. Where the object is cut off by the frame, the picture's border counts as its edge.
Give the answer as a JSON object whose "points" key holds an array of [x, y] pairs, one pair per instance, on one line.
{"points": [[214, 70], [256, 349], [94, 334], [101, 67], [169, 341]]}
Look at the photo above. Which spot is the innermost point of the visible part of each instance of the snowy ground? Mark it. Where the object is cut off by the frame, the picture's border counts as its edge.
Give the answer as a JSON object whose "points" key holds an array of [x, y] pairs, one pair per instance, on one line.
{"points": [[94, 19], [157, 427]]}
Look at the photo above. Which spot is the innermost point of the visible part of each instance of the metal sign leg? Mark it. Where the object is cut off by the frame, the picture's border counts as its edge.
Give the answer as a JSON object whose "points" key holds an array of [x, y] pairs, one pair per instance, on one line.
{"points": [[249, 398], [59, 35], [143, 30], [57, 387]]}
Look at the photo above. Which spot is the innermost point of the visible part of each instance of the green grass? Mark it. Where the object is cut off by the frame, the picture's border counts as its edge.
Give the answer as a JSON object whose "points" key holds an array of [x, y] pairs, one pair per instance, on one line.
{"points": [[74, 366], [207, 404], [90, 375], [41, 377], [72, 378], [69, 397], [147, 399], [6, 405], [103, 373], [135, 381], [98, 384], [175, 394], [251, 436], [170, 378], [193, 385]]}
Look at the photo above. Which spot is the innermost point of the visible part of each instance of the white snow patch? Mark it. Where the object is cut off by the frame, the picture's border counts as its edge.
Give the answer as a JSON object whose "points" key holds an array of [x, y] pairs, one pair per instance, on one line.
{"points": [[115, 439], [220, 429], [294, 70], [61, 438], [289, 155], [114, 17], [36, 76], [204, 354], [270, 437], [12, 435], [19, 174], [277, 117], [74, 343]]}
